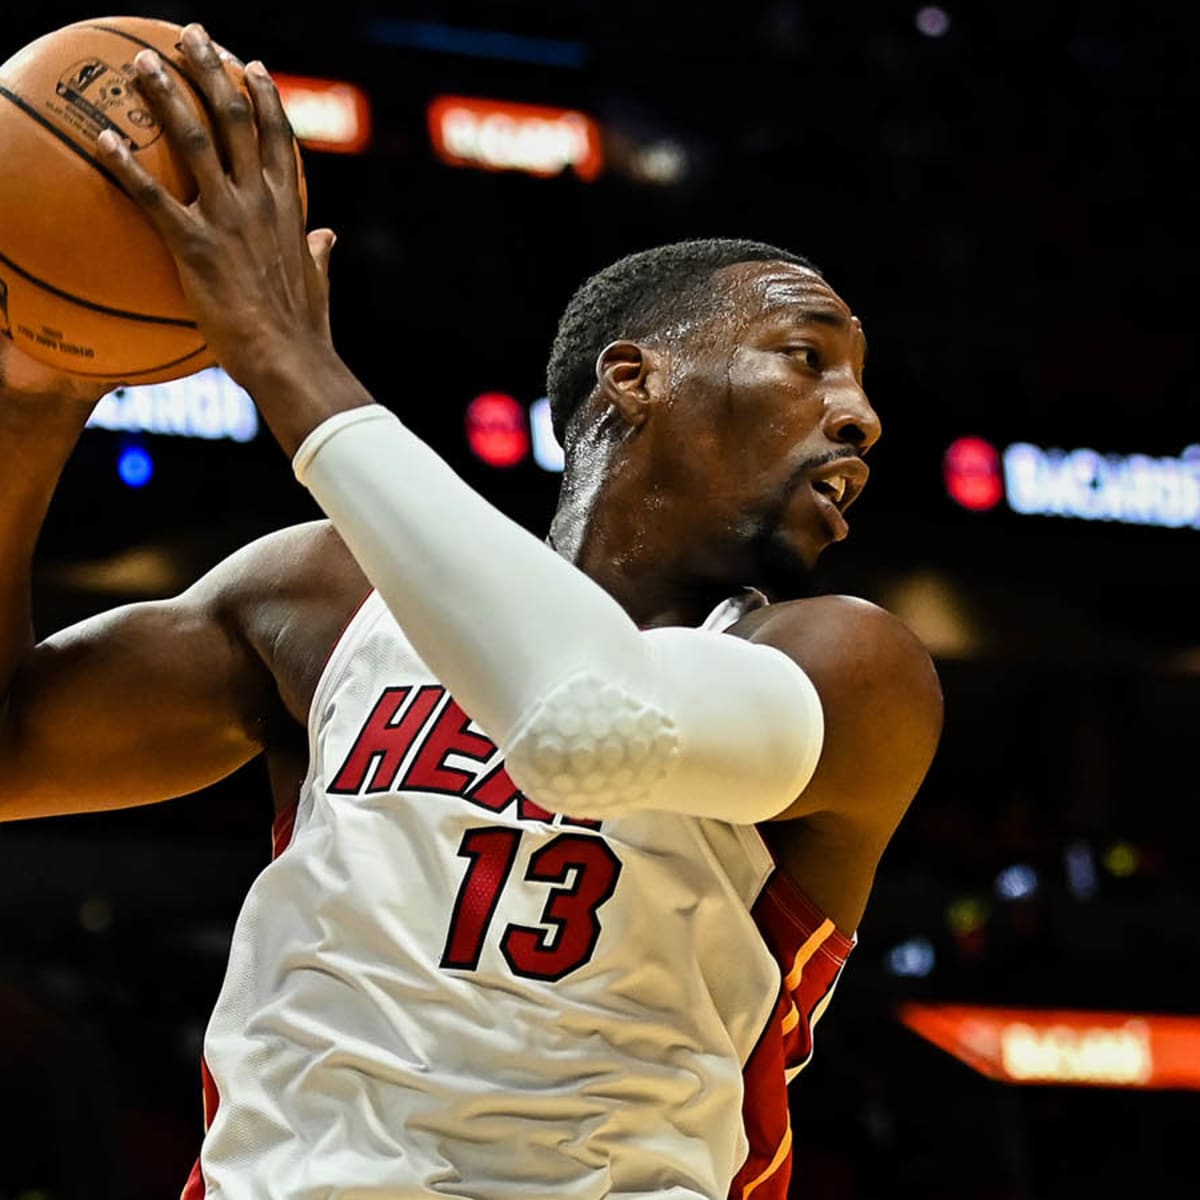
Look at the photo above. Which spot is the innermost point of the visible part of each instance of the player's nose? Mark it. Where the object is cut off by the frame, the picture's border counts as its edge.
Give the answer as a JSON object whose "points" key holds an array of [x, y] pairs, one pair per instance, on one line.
{"points": [[849, 419]]}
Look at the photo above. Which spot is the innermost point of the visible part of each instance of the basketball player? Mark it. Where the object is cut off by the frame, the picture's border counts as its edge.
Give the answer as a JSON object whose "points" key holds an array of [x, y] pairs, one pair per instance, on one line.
{"points": [[572, 838]]}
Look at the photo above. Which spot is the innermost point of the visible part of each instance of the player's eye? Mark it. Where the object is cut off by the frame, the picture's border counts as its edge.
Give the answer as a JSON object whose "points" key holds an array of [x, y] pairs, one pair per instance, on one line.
{"points": [[809, 355]]}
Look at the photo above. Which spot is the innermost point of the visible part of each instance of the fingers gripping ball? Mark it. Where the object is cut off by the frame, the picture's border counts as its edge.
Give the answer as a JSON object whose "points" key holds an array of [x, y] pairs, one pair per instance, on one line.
{"points": [[592, 750], [86, 284]]}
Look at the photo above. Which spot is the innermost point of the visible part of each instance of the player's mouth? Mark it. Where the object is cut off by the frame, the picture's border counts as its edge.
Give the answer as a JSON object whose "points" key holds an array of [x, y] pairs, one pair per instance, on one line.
{"points": [[835, 486]]}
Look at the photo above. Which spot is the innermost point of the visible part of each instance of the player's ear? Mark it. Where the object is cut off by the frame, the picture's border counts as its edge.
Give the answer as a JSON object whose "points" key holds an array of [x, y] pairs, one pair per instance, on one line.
{"points": [[623, 372]]}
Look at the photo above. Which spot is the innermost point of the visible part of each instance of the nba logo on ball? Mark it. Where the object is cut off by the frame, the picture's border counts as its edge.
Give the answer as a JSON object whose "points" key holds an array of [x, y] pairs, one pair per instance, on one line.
{"points": [[103, 96]]}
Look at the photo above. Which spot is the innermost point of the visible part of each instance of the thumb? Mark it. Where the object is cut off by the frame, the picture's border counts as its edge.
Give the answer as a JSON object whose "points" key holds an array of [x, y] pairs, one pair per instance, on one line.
{"points": [[320, 246]]}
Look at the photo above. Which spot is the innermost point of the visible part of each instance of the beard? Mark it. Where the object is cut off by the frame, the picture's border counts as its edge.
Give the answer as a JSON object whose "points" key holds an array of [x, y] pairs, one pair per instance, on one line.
{"points": [[778, 569]]}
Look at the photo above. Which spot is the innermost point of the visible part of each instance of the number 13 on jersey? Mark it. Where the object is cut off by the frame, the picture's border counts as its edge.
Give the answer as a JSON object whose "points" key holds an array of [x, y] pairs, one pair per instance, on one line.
{"points": [[582, 872]]}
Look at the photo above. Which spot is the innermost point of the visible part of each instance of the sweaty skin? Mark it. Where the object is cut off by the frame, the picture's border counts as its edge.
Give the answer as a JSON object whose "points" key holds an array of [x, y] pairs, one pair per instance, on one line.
{"points": [[691, 474]]}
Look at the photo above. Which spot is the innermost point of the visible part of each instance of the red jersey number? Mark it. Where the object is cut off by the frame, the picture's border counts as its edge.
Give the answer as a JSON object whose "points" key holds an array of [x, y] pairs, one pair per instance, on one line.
{"points": [[583, 872]]}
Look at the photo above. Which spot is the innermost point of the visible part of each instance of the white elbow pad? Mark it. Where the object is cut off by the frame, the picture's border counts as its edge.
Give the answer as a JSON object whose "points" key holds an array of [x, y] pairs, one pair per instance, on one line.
{"points": [[728, 729], [590, 746]]}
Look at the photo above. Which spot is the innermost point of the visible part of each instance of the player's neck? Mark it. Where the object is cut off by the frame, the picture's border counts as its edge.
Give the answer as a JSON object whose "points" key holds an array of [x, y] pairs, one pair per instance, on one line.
{"points": [[628, 551]]}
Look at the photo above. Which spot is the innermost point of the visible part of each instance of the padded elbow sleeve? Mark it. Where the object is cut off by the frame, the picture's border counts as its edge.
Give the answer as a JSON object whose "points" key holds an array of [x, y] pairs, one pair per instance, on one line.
{"points": [[725, 728], [591, 747]]}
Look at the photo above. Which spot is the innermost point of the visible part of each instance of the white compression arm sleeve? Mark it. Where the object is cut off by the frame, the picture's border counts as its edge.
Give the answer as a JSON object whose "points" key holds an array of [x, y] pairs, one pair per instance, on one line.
{"points": [[595, 717]]}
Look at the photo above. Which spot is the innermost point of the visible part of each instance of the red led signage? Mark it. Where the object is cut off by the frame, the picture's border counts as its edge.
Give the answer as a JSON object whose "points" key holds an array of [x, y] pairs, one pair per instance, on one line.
{"points": [[326, 114], [973, 475], [499, 135], [1046, 1046], [497, 431]]}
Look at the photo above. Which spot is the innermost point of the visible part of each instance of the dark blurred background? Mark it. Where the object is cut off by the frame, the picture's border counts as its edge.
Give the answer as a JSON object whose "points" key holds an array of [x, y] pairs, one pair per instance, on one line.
{"points": [[1004, 193]]}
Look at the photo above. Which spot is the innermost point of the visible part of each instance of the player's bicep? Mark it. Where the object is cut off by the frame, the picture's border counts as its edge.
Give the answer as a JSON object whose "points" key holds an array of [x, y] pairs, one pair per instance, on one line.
{"points": [[882, 706], [136, 705]]}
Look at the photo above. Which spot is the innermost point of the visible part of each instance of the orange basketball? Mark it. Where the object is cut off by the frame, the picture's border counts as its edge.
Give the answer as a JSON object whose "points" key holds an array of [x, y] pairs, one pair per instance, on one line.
{"points": [[86, 285]]}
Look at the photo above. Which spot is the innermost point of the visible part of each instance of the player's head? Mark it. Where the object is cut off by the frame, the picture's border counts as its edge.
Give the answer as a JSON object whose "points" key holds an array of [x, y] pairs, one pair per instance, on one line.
{"points": [[720, 382]]}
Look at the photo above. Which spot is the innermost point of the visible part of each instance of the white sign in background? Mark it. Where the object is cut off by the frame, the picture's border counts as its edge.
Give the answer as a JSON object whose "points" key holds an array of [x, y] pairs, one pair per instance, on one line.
{"points": [[206, 405], [1134, 489]]}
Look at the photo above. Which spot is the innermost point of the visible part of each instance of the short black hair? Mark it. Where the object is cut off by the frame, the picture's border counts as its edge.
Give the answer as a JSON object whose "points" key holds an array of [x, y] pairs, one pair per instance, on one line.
{"points": [[638, 296]]}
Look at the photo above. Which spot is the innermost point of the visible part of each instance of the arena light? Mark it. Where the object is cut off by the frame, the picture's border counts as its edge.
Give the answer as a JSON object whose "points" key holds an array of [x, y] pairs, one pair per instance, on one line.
{"points": [[932, 20], [914, 958], [1018, 882], [135, 466], [1080, 865], [500, 135], [1056, 1046], [327, 114], [206, 405], [1122, 860], [661, 163]]}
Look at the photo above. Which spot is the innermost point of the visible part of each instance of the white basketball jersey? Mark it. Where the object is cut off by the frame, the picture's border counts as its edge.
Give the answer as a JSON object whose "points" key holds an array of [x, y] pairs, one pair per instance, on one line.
{"points": [[439, 989]]}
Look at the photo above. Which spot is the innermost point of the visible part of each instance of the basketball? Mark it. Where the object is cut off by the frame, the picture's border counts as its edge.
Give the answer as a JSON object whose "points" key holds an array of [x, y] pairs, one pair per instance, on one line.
{"points": [[86, 285]]}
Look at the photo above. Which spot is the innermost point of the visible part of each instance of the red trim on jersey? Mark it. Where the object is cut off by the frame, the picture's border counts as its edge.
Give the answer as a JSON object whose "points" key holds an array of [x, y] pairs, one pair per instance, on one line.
{"points": [[811, 953], [282, 830], [194, 1188]]}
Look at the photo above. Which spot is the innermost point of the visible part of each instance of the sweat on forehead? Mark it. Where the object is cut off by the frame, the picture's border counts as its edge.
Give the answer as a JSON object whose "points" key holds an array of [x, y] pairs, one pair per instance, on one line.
{"points": [[729, 299], [759, 288]]}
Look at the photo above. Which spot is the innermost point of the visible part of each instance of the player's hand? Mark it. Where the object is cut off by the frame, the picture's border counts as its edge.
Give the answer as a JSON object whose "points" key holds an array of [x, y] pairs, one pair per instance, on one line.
{"points": [[257, 285], [25, 380]]}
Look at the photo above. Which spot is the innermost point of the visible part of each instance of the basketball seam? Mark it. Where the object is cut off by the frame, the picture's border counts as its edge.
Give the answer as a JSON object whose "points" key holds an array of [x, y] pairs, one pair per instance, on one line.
{"points": [[70, 143], [103, 309], [127, 375]]}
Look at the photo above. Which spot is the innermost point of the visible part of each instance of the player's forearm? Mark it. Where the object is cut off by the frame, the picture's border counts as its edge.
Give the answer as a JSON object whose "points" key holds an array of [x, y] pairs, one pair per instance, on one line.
{"points": [[496, 614], [296, 392], [37, 435]]}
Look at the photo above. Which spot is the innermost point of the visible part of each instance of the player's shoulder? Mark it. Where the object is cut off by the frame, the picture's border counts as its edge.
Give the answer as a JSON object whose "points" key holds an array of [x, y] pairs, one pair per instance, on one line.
{"points": [[287, 564], [287, 597], [294, 583], [848, 624]]}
